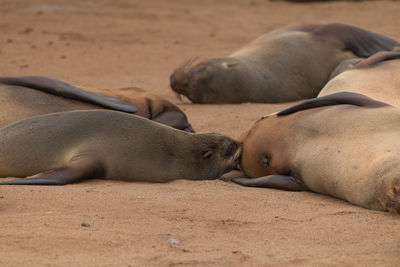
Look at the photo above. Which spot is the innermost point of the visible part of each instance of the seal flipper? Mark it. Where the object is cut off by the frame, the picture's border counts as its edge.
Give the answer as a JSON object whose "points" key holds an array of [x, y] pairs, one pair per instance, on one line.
{"points": [[72, 173], [362, 43], [378, 58], [66, 90], [284, 182], [174, 119], [340, 98]]}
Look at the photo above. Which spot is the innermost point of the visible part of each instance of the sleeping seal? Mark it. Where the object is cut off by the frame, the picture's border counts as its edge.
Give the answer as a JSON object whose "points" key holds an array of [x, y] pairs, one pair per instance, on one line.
{"points": [[67, 147], [29, 96], [345, 145], [284, 65]]}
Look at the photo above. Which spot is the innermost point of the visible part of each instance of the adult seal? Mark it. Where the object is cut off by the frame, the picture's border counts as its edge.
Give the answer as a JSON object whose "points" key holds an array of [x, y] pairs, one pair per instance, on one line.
{"points": [[29, 96], [376, 77], [284, 65], [67, 147], [345, 145]]}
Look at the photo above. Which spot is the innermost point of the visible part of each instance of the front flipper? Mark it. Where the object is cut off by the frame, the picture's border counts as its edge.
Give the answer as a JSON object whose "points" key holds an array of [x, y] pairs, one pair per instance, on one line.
{"points": [[283, 182], [174, 119], [66, 90], [64, 175], [378, 58], [340, 98], [360, 42]]}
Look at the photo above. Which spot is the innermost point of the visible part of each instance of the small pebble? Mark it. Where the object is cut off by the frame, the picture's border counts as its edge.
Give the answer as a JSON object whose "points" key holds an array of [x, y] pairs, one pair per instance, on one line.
{"points": [[85, 224], [173, 241]]}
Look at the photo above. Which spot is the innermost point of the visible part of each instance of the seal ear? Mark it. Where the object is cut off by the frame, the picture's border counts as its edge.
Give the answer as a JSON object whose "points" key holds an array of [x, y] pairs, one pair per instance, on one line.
{"points": [[284, 182], [208, 154], [73, 173], [66, 90], [340, 98]]}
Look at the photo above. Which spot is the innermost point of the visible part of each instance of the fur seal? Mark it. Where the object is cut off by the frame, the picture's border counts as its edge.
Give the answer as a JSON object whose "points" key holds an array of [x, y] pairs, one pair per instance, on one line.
{"points": [[67, 147], [29, 96], [284, 65], [376, 77], [345, 145]]}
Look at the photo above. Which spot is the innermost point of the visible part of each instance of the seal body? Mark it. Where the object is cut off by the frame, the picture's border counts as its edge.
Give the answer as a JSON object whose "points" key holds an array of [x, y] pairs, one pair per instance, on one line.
{"points": [[288, 64], [66, 147], [376, 77], [29, 96], [346, 149]]}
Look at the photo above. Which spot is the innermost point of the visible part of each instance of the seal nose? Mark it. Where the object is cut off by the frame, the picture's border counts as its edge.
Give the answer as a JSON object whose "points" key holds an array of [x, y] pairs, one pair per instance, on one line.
{"points": [[178, 82], [172, 82]]}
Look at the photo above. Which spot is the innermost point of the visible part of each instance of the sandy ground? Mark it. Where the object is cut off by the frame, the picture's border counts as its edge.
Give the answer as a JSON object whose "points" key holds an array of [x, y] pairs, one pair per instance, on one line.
{"points": [[116, 43]]}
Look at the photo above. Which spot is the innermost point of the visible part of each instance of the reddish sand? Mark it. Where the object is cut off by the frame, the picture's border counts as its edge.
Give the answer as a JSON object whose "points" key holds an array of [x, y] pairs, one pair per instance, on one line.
{"points": [[117, 43]]}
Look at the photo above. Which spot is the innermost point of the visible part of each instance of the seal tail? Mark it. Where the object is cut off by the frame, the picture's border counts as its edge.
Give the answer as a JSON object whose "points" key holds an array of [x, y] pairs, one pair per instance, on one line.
{"points": [[64, 175]]}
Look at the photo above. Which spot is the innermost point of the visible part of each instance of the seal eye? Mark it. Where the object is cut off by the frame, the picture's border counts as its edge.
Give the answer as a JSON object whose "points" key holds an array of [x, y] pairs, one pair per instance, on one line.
{"points": [[199, 69], [229, 150], [265, 161], [208, 154]]}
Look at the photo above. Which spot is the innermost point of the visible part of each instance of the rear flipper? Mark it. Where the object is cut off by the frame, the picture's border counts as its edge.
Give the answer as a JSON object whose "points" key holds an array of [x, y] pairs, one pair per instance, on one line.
{"points": [[66, 90], [72, 173], [283, 182]]}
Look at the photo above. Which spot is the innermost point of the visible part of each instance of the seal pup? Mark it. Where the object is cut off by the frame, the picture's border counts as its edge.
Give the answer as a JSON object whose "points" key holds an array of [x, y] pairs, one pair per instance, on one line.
{"points": [[29, 96], [67, 147], [377, 77], [345, 145], [284, 65]]}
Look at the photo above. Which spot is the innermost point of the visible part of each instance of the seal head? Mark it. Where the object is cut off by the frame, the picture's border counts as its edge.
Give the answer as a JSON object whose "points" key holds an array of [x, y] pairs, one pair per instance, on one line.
{"points": [[345, 145], [210, 81]]}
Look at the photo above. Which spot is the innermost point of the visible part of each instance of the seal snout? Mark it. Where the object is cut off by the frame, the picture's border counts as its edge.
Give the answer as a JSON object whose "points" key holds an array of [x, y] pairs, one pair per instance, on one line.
{"points": [[172, 81], [179, 82]]}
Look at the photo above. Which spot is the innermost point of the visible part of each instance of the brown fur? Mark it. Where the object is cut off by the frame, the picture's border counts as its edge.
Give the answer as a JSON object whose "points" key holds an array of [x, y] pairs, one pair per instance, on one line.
{"points": [[20, 102], [349, 151], [67, 147], [288, 64]]}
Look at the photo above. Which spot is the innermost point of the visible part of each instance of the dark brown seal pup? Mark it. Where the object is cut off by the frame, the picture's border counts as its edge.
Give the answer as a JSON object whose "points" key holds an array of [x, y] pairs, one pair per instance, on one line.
{"points": [[67, 147], [377, 77], [29, 96], [344, 145], [288, 64]]}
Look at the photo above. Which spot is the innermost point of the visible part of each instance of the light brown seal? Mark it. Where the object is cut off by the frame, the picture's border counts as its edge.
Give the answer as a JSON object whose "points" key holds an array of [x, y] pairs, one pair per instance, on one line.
{"points": [[288, 64], [29, 96], [344, 145], [377, 77], [67, 147]]}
